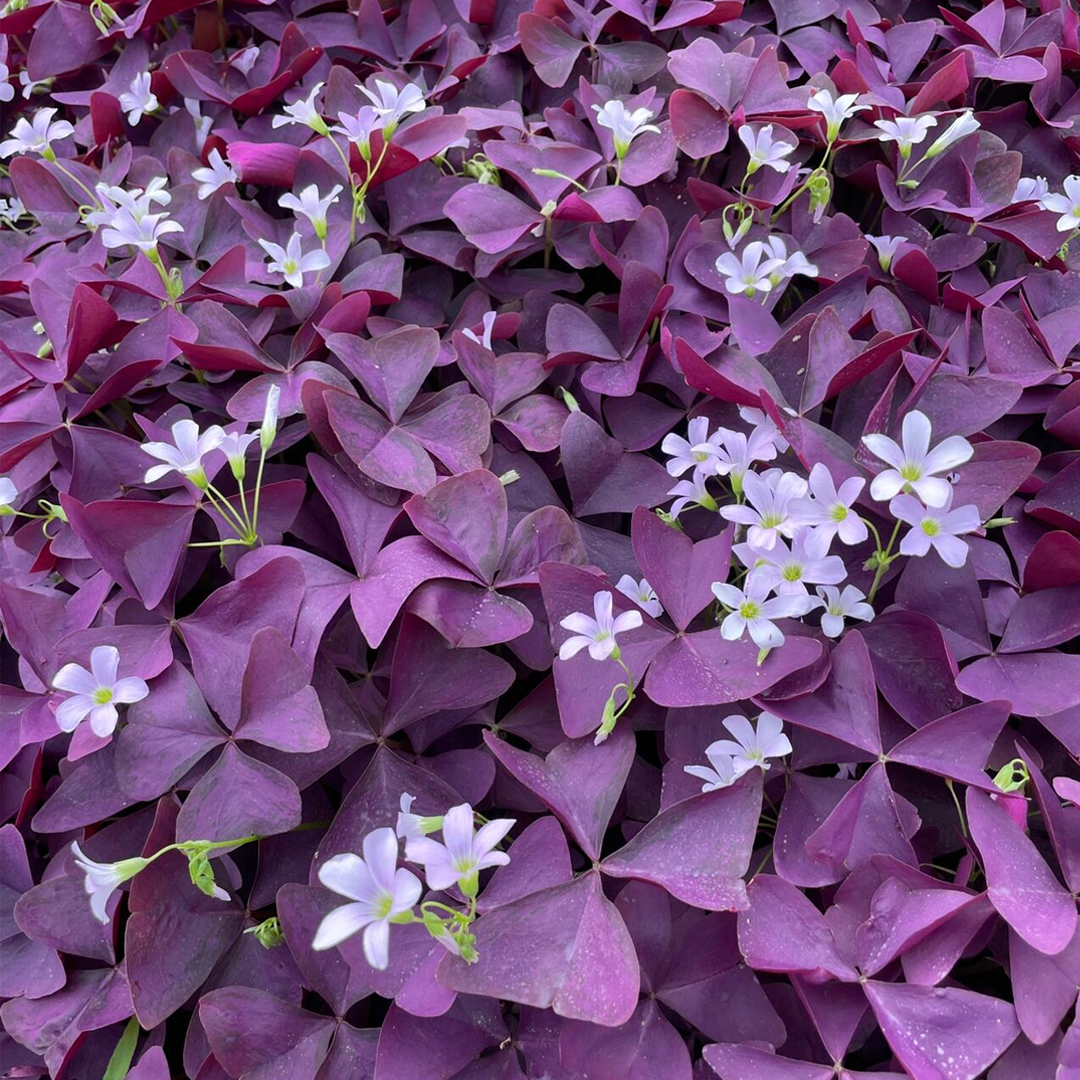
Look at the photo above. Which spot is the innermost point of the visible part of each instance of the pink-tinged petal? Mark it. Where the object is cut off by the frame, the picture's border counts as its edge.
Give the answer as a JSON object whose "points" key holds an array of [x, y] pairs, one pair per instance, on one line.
{"points": [[407, 889], [850, 490], [950, 454], [602, 602], [340, 925], [885, 485], [572, 646], [104, 663], [852, 530], [458, 832], [381, 856], [742, 515], [377, 944], [70, 713], [915, 543], [75, 679], [952, 549], [933, 490], [348, 875], [103, 720], [129, 690], [628, 620], [915, 434], [881, 446], [962, 519]]}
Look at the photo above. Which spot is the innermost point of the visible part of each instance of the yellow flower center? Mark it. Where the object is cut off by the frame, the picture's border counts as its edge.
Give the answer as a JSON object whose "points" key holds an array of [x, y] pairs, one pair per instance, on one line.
{"points": [[102, 695]]}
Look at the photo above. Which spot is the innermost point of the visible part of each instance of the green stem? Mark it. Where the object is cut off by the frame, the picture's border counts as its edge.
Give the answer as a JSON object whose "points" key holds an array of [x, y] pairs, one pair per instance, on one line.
{"points": [[223, 506], [75, 180], [258, 493], [884, 559]]}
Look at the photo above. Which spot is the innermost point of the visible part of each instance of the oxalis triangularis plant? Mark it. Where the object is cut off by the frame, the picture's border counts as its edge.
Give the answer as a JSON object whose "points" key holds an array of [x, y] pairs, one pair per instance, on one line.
{"points": [[540, 541]]}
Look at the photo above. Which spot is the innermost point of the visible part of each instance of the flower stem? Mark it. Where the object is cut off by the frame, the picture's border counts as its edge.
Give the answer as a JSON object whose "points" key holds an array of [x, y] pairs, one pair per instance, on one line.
{"points": [[75, 180], [884, 558]]}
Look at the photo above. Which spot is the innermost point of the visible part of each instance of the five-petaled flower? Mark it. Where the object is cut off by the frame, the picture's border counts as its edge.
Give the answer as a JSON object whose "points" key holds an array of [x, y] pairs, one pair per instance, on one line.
{"points": [[101, 880], [828, 509], [378, 890], [291, 260], [691, 493], [750, 273], [698, 450], [1030, 189], [393, 105], [913, 466], [305, 112], [790, 569], [642, 593], [719, 773], [97, 692], [141, 232], [937, 527], [751, 608], [36, 136], [840, 605], [598, 634], [768, 507], [625, 126], [752, 748], [358, 128], [764, 149], [1067, 205], [834, 110], [409, 825], [462, 854], [310, 205], [139, 98], [905, 131], [215, 175], [185, 453], [886, 248]]}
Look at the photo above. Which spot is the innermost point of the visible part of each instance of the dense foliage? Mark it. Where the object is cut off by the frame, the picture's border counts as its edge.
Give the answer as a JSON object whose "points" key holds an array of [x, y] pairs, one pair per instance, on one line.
{"points": [[541, 539]]}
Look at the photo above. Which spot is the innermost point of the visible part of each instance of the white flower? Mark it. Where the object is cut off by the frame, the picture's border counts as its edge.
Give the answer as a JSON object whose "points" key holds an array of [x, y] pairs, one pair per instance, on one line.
{"points": [[641, 592], [692, 492], [461, 856], [103, 879], [7, 91], [36, 136], [963, 126], [905, 131], [31, 86], [357, 129], [764, 150], [488, 324], [11, 209], [216, 174], [886, 249], [291, 262], [138, 98], [790, 569], [625, 126], [268, 428], [410, 825], [8, 494], [1067, 205], [761, 421], [722, 774], [393, 105], [379, 891], [752, 748], [311, 206], [185, 457], [753, 610], [748, 275], [768, 513], [939, 528], [203, 124], [790, 265], [1030, 189], [303, 112], [840, 606], [739, 452], [829, 510], [835, 111], [244, 60], [597, 634], [96, 693], [142, 232], [136, 202], [698, 451], [913, 467]]}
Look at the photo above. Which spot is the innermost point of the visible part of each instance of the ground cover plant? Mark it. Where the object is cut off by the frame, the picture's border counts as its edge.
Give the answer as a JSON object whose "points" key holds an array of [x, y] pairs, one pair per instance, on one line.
{"points": [[541, 539]]}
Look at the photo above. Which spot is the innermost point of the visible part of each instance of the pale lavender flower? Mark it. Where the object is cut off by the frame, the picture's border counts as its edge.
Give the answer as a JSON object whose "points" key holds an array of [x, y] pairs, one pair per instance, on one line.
{"points": [[834, 110], [848, 604], [1067, 205], [37, 135], [625, 126], [641, 592], [760, 420], [358, 128], [97, 692], [308, 204], [698, 451], [8, 494], [938, 527], [379, 892], [304, 112], [790, 569], [101, 880], [829, 509], [914, 466], [764, 149], [739, 452], [461, 856], [7, 91], [752, 609], [905, 131], [393, 105], [291, 260], [719, 773], [216, 175], [1030, 189], [488, 324], [138, 98], [185, 453], [886, 248], [767, 510], [750, 273], [752, 748], [963, 126], [597, 634], [691, 493]]}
